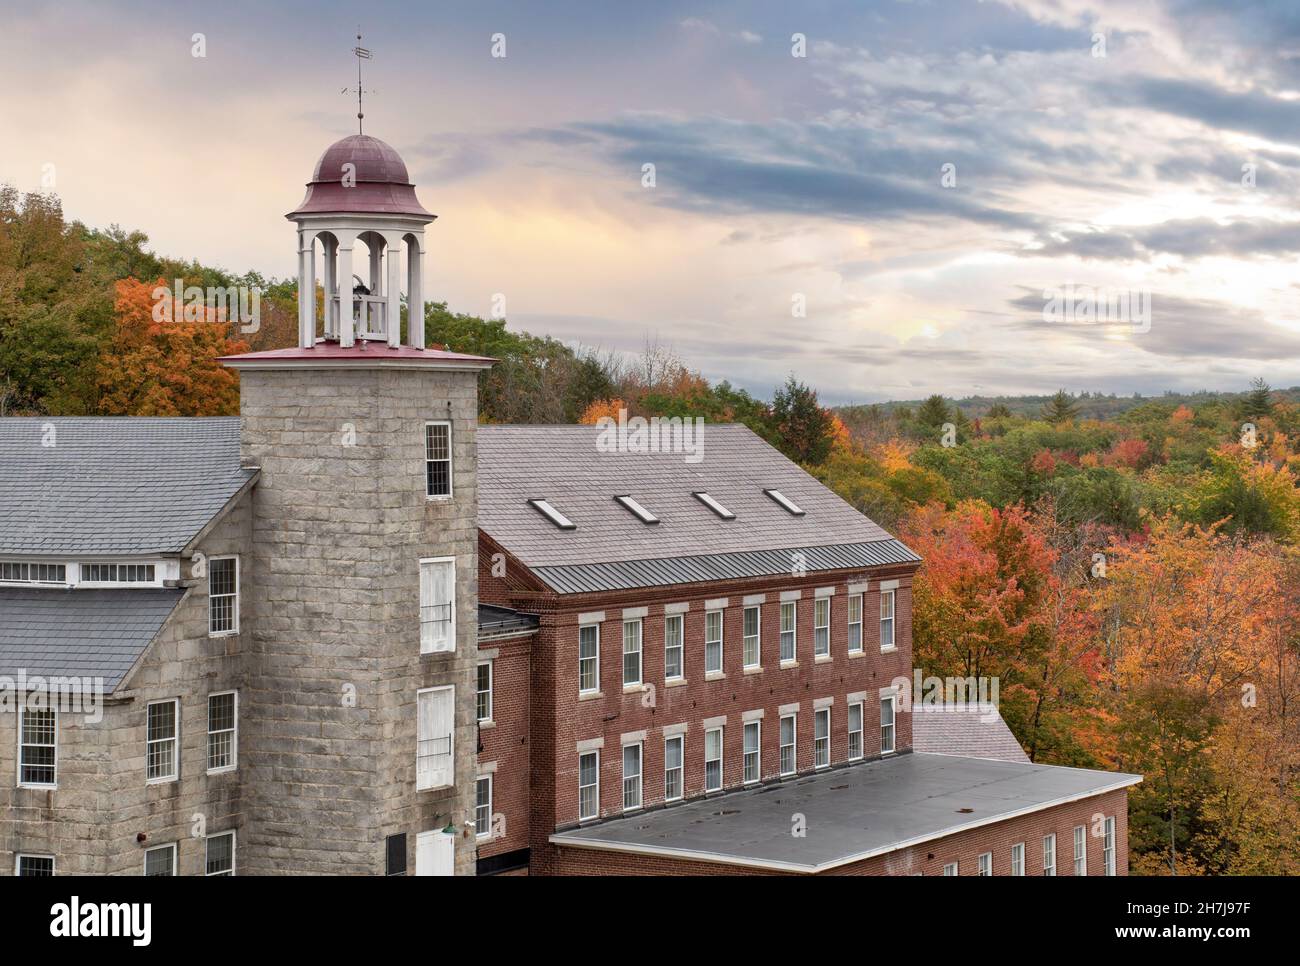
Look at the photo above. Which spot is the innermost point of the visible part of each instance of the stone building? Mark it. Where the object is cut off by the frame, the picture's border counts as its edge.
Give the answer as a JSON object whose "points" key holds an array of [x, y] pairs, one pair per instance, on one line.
{"points": [[353, 632]]}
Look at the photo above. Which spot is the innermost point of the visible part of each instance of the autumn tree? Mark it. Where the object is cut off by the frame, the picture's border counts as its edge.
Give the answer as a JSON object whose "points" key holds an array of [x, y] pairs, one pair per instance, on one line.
{"points": [[805, 429]]}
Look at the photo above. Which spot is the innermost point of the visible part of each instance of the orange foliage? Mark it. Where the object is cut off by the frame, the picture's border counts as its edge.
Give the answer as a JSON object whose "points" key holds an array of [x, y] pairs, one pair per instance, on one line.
{"points": [[601, 409]]}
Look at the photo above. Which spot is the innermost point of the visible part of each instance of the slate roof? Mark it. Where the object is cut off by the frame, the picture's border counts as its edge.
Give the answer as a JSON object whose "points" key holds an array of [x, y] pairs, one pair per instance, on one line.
{"points": [[970, 731], [856, 812], [610, 548], [114, 486], [86, 633], [496, 621]]}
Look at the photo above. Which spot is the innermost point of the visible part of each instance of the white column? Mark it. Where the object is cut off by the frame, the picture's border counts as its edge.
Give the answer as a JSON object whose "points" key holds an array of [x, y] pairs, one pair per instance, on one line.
{"points": [[347, 321], [415, 293], [305, 331], [393, 312], [310, 330], [329, 246], [375, 282]]}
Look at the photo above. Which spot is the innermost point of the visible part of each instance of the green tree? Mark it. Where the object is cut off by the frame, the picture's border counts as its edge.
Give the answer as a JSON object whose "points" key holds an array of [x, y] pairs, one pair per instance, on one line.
{"points": [[1258, 402], [1060, 408], [805, 430]]}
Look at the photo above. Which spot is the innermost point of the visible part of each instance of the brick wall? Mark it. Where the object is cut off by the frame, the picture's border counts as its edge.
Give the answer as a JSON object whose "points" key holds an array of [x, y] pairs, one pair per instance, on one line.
{"points": [[504, 744]]}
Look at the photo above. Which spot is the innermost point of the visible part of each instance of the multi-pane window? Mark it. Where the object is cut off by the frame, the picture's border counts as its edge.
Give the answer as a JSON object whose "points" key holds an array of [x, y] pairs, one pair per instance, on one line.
{"points": [[631, 777], [673, 768], [1018, 859], [589, 658], [222, 745], [886, 725], [220, 858], [483, 692], [437, 459], [37, 865], [886, 619], [713, 642], [483, 806], [1049, 855], [160, 860], [751, 642], [1080, 850], [437, 605], [109, 573], [19, 572], [787, 746], [713, 760], [588, 785], [161, 731], [822, 737], [855, 731], [753, 744], [986, 863], [673, 657], [821, 627], [855, 623], [223, 595], [789, 617], [435, 743], [631, 652], [38, 746], [950, 868], [1108, 845]]}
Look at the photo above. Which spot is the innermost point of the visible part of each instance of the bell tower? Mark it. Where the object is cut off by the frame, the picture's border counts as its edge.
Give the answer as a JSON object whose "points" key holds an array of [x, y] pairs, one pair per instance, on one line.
{"points": [[359, 217]]}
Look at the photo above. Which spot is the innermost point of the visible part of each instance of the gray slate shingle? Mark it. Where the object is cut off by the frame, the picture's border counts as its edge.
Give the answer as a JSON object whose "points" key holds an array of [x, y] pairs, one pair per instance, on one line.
{"points": [[114, 485], [86, 633], [971, 731]]}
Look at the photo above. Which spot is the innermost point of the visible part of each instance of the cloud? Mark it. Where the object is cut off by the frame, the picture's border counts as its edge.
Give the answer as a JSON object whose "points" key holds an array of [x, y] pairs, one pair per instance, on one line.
{"points": [[1188, 238]]}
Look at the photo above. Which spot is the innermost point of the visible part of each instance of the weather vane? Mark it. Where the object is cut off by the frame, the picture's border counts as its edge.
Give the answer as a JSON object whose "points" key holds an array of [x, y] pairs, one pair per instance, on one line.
{"points": [[362, 54]]}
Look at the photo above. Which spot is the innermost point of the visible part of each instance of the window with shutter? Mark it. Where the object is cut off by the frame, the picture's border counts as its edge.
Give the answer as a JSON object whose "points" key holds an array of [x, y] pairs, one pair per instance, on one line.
{"points": [[435, 853], [434, 763], [437, 605]]}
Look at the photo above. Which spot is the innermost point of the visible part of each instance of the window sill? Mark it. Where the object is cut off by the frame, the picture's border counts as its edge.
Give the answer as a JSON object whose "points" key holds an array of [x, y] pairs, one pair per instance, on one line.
{"points": [[757, 669], [590, 695], [886, 754], [432, 653], [822, 659], [675, 683], [714, 675], [637, 688], [223, 633], [487, 723], [160, 781], [889, 650], [438, 498], [38, 786], [222, 771], [855, 654], [789, 663]]}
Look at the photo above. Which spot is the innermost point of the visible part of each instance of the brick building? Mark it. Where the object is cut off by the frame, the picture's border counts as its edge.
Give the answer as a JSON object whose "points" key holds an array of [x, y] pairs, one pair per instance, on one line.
{"points": [[354, 632]]}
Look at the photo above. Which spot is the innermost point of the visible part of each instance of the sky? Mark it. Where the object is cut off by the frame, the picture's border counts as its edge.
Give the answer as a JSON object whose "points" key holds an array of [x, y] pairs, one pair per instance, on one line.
{"points": [[888, 216]]}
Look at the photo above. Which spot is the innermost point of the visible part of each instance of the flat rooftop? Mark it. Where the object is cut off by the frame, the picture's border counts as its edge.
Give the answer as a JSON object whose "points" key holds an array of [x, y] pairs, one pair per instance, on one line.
{"points": [[851, 813]]}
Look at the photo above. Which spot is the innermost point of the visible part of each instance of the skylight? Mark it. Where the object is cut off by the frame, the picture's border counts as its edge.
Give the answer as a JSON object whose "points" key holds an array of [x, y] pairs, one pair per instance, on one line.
{"points": [[552, 514], [642, 513], [784, 501], [715, 506]]}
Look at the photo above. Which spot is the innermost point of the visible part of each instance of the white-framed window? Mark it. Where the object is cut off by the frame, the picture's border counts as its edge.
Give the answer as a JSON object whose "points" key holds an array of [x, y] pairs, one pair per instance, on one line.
{"points": [[437, 605], [753, 745], [856, 748], [1049, 854], [713, 642], [38, 747], [855, 623], [23, 572], [162, 734], [631, 777], [821, 627], [674, 658], [437, 459], [483, 692], [886, 619], [789, 631], [822, 738], [673, 763], [1018, 859], [223, 596], [160, 860], [435, 737], [220, 854], [950, 868], [589, 658], [713, 760], [1080, 850], [25, 863], [223, 730], [632, 652], [1108, 845], [751, 644], [887, 724], [788, 751], [117, 573], [588, 785], [986, 864], [483, 806]]}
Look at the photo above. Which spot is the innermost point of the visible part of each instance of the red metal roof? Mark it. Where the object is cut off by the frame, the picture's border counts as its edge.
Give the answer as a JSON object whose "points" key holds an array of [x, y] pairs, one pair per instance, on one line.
{"points": [[380, 183], [372, 352]]}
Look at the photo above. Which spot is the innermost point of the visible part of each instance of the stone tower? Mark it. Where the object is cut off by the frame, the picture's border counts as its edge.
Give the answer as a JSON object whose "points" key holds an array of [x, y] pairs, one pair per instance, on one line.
{"points": [[360, 695]]}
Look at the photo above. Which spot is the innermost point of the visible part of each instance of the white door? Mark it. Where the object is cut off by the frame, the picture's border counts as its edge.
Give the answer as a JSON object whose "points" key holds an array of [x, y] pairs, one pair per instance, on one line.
{"points": [[435, 853]]}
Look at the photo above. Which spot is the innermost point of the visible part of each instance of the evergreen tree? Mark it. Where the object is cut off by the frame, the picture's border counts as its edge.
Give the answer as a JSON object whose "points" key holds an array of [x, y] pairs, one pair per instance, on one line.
{"points": [[1060, 408], [934, 412], [806, 431], [1258, 401]]}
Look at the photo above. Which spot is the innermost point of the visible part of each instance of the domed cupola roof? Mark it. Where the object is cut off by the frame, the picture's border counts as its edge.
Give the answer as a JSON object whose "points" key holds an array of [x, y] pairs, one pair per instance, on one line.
{"points": [[378, 182]]}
